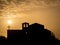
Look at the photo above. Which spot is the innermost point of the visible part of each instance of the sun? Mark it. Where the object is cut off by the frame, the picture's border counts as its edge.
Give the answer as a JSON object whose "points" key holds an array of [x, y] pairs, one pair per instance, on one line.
{"points": [[9, 22]]}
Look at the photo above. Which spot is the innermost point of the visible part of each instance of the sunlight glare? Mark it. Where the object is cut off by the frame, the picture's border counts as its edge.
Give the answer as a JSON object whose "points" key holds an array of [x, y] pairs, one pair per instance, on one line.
{"points": [[9, 22]]}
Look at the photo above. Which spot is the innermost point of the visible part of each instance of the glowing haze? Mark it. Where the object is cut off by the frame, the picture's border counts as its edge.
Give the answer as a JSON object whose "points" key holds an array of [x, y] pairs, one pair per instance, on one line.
{"points": [[46, 12]]}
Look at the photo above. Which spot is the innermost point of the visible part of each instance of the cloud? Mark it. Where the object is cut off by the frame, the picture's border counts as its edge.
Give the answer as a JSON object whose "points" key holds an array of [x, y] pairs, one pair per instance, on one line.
{"points": [[31, 2], [37, 2], [25, 5]]}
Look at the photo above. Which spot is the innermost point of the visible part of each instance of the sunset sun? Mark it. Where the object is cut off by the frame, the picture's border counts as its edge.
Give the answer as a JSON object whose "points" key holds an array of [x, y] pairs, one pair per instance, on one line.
{"points": [[9, 22]]}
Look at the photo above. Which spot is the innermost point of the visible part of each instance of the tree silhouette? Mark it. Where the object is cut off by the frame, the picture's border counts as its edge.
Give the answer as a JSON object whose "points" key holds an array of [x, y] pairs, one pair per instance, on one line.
{"points": [[3, 40]]}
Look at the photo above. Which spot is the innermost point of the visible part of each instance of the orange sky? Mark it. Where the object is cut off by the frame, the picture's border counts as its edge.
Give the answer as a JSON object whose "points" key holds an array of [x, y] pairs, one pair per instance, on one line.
{"points": [[34, 11]]}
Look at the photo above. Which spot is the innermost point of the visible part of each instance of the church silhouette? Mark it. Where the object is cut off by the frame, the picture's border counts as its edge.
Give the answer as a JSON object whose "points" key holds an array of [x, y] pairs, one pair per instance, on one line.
{"points": [[32, 34]]}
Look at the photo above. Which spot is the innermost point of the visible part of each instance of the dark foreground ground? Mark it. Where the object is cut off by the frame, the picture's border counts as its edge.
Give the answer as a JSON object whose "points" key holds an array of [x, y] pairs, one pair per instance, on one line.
{"points": [[34, 34]]}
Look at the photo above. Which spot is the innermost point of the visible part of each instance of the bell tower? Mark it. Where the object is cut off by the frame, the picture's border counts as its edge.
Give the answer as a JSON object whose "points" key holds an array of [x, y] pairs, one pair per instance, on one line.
{"points": [[25, 26]]}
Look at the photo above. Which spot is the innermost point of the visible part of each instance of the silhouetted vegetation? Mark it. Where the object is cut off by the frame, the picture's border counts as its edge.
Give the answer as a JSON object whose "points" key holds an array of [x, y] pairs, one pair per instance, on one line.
{"points": [[3, 40]]}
